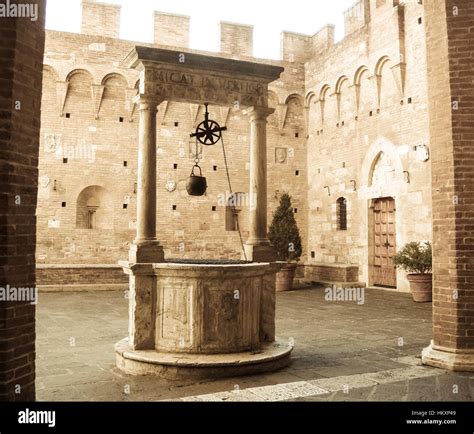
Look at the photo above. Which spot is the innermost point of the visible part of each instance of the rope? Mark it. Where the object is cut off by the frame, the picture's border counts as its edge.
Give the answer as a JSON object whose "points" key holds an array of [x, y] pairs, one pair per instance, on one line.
{"points": [[232, 193]]}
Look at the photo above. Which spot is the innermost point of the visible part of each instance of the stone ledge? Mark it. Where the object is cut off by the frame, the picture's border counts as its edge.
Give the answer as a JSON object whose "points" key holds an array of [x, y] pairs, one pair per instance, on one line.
{"points": [[271, 357], [84, 287], [445, 358], [332, 274]]}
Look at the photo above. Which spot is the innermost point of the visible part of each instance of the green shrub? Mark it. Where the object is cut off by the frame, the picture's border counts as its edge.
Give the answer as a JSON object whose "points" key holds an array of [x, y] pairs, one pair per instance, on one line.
{"points": [[415, 257], [284, 233]]}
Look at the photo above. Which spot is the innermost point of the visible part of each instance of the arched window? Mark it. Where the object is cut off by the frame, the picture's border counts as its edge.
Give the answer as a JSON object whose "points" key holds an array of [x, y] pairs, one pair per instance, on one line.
{"points": [[341, 211]]}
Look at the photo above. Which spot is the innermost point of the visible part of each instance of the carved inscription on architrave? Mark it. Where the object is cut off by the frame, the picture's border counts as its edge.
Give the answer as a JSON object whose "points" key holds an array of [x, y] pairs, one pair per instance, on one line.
{"points": [[186, 86]]}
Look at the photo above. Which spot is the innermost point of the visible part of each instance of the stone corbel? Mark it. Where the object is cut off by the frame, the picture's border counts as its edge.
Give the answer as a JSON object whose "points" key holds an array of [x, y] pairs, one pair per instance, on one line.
{"points": [[61, 95], [282, 112], [162, 111], [357, 96], [97, 94], [130, 104], [224, 113], [374, 79], [194, 113], [399, 72]]}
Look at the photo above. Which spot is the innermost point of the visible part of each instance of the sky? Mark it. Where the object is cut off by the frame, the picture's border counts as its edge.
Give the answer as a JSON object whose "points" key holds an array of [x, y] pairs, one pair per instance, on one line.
{"points": [[269, 18]]}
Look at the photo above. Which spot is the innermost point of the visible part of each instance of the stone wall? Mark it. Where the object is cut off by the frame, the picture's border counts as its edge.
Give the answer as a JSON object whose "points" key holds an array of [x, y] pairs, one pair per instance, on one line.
{"points": [[21, 42]]}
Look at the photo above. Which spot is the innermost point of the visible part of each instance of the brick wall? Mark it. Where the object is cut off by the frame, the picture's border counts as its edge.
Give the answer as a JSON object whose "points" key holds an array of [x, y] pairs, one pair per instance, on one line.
{"points": [[357, 109], [100, 19], [451, 97], [171, 29], [236, 39], [21, 44], [101, 150]]}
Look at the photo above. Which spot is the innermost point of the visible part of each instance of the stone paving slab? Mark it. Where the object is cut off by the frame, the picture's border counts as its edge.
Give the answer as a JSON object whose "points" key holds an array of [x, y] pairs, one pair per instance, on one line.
{"points": [[340, 343]]}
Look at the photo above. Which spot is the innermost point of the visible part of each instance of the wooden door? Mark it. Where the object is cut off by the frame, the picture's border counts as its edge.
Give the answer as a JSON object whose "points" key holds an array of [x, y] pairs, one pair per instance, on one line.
{"points": [[384, 243]]}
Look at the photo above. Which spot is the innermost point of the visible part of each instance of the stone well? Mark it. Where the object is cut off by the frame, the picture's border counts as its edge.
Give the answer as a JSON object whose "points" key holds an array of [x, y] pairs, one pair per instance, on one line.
{"points": [[197, 320]]}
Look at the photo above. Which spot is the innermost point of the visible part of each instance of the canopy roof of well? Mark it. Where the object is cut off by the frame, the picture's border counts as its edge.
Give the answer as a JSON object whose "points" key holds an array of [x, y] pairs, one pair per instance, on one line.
{"points": [[193, 61]]}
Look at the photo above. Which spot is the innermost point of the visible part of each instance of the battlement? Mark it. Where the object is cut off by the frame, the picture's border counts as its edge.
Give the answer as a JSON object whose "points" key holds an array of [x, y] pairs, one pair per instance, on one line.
{"points": [[297, 47], [103, 19], [100, 19], [171, 29], [236, 39]]}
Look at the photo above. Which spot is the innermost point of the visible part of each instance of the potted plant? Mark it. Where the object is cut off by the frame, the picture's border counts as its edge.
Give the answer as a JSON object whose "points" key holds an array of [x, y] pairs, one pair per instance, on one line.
{"points": [[416, 259], [285, 237]]}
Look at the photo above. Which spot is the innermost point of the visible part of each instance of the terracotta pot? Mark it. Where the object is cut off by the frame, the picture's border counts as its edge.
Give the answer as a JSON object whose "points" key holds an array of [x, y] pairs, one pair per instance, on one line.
{"points": [[284, 278], [421, 286]]}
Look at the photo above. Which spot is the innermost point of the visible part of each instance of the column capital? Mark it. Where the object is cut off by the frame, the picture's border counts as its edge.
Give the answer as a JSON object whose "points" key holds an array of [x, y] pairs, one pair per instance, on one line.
{"points": [[259, 113], [145, 102]]}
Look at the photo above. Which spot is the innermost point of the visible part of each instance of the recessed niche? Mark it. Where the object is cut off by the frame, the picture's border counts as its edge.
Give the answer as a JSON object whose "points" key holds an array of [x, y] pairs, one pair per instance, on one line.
{"points": [[120, 119], [63, 204], [420, 20], [371, 113], [297, 135], [68, 115], [214, 168], [410, 100], [214, 208], [342, 123], [175, 166], [297, 173], [64, 160], [125, 206], [176, 124], [296, 210], [125, 163], [175, 207], [313, 255]]}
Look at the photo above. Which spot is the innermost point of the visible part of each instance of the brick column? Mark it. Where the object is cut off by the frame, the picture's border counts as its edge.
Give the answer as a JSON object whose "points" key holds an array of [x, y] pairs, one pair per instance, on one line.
{"points": [[257, 247], [21, 64], [450, 48]]}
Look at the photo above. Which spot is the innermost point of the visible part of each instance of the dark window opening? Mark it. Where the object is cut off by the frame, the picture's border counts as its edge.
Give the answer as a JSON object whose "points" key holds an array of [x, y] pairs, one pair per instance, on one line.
{"points": [[341, 210]]}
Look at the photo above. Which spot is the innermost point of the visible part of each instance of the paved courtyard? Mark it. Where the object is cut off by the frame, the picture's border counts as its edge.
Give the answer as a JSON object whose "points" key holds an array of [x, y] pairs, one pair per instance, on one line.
{"points": [[343, 351]]}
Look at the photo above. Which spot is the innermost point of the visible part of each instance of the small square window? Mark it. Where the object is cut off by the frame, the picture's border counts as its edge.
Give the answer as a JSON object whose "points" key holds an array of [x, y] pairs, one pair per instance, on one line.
{"points": [[68, 115], [175, 207], [125, 206], [371, 113], [125, 163], [214, 168], [175, 166], [176, 124], [64, 160], [296, 210], [214, 208], [313, 255], [120, 119], [420, 20], [410, 100], [297, 135], [63, 204], [297, 173]]}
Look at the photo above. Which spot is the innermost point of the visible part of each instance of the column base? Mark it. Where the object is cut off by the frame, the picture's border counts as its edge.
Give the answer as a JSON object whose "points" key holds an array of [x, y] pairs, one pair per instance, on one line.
{"points": [[445, 358], [260, 253], [149, 253]]}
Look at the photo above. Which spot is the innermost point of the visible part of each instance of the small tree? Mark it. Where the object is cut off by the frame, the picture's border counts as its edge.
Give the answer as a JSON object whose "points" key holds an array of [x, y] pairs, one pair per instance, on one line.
{"points": [[415, 257], [284, 233]]}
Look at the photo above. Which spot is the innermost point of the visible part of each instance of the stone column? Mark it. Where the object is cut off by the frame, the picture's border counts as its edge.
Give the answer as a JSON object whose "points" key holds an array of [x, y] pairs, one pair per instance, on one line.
{"points": [[450, 50], [146, 248], [257, 247]]}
